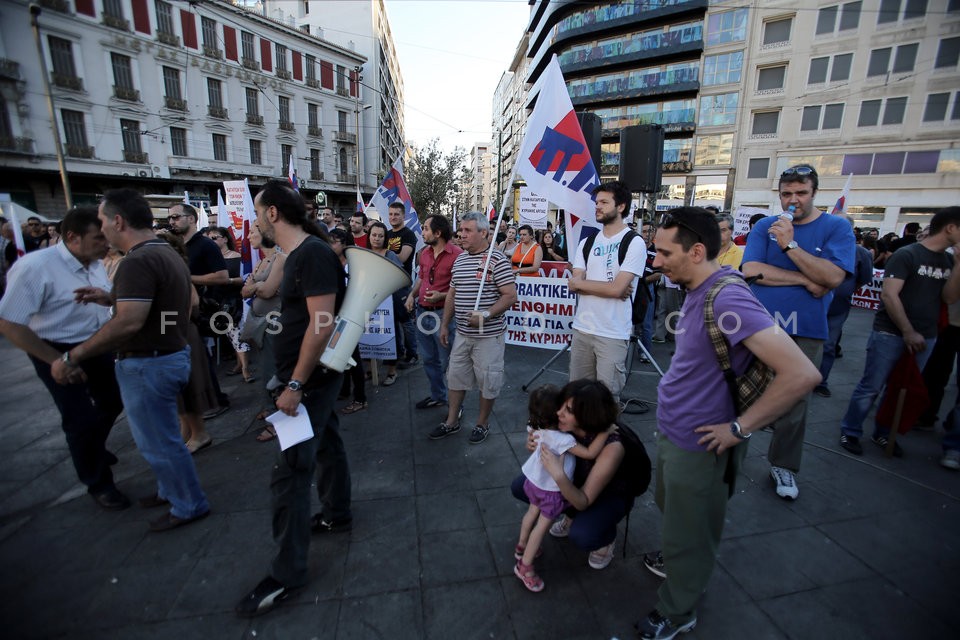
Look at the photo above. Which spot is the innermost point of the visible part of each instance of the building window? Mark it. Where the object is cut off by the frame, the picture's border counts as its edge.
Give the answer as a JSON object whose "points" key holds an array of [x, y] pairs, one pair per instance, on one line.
{"points": [[344, 170], [948, 54], [341, 79], [712, 150], [820, 117], [283, 104], [171, 83], [771, 79], [758, 168], [890, 10], [849, 17], [776, 32], [903, 60], [313, 115], [837, 68], [61, 54], [130, 134], [253, 108], [246, 46], [938, 106], [178, 141], [311, 64], [722, 69], [74, 129], [315, 165], [220, 147], [281, 53], [208, 28], [6, 131], [256, 155], [122, 74], [215, 93], [893, 110], [718, 110], [286, 151], [765, 124], [164, 17], [729, 26]]}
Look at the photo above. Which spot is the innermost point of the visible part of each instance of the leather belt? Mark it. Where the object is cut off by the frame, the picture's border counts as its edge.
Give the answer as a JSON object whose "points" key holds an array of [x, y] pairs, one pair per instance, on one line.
{"points": [[156, 353]]}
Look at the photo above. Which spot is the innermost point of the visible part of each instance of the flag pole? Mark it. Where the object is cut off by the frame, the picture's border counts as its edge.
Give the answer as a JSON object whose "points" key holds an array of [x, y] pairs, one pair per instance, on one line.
{"points": [[496, 229]]}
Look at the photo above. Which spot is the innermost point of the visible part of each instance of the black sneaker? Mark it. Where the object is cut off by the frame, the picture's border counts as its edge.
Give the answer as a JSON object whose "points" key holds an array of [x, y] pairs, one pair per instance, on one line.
{"points": [[444, 430], [320, 524], [409, 361], [654, 563], [430, 403], [822, 390], [881, 442], [656, 627], [479, 434], [851, 444], [264, 597]]}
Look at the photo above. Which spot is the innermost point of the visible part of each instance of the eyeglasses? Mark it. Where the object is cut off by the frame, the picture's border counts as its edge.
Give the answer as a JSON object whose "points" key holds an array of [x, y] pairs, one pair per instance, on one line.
{"points": [[668, 220], [176, 216], [799, 171]]}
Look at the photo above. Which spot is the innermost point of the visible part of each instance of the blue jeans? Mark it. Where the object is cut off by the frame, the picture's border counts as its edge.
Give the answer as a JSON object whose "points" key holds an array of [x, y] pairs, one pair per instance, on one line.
{"points": [[291, 485], [149, 388], [434, 355], [883, 352], [835, 327]]}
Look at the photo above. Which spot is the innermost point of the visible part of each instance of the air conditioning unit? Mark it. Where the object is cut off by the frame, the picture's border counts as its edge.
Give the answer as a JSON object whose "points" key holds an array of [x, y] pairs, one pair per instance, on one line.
{"points": [[156, 172], [143, 173], [126, 173]]}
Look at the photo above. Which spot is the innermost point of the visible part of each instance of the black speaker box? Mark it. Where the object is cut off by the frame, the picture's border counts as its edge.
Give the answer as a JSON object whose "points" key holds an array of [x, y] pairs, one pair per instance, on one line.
{"points": [[641, 157], [590, 125]]}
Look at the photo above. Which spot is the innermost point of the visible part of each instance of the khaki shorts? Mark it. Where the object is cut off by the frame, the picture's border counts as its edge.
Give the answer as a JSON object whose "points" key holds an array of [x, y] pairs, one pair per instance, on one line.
{"points": [[477, 363]]}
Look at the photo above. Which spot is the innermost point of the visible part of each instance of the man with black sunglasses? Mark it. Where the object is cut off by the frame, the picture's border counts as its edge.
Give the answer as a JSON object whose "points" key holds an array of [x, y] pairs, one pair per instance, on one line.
{"points": [[801, 262], [428, 295]]}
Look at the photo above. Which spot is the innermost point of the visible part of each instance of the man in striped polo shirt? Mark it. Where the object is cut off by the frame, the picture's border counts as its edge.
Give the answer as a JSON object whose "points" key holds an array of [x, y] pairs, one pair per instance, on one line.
{"points": [[476, 361]]}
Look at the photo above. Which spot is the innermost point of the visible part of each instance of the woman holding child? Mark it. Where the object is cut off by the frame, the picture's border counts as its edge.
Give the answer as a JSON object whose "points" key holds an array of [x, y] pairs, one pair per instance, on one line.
{"points": [[597, 492]]}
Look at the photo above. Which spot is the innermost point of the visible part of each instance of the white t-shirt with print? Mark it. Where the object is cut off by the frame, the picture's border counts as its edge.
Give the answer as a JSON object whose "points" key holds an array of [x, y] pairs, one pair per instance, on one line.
{"points": [[608, 317]]}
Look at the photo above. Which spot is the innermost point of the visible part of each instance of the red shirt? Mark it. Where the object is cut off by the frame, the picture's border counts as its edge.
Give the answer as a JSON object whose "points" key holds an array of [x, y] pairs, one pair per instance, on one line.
{"points": [[435, 272], [361, 240]]}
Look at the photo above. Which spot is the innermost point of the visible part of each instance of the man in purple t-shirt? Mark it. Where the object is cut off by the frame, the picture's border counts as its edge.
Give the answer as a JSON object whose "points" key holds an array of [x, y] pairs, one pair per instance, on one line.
{"points": [[697, 452]]}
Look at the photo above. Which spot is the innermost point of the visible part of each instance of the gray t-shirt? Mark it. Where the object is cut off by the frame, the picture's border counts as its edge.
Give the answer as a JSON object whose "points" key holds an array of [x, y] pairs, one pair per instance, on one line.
{"points": [[924, 274]]}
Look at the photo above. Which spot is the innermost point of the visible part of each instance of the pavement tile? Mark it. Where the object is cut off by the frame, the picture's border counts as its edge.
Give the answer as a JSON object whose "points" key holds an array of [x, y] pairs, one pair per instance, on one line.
{"points": [[52, 604], [549, 615], [450, 512], [130, 595], [441, 476], [313, 619], [382, 564], [214, 584], [383, 615], [470, 610], [454, 556]]}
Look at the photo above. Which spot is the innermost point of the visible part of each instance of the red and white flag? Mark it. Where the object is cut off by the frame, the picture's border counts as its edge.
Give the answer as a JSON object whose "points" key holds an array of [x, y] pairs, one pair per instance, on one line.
{"points": [[491, 212], [292, 173], [841, 206], [7, 205]]}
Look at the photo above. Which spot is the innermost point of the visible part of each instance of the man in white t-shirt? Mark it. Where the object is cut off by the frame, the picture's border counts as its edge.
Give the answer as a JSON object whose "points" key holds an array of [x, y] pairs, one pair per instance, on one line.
{"points": [[604, 284]]}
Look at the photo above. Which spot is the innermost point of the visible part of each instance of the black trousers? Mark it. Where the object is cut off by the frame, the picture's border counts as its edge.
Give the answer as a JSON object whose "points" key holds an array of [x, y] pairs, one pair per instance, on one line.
{"points": [[936, 373], [87, 413]]}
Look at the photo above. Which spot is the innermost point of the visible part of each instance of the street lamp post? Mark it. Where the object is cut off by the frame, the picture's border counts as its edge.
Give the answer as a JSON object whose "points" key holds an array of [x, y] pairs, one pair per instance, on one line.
{"points": [[357, 109]]}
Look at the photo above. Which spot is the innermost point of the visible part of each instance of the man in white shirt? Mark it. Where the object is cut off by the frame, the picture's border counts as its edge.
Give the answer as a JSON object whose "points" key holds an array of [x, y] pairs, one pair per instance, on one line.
{"points": [[604, 283], [49, 308]]}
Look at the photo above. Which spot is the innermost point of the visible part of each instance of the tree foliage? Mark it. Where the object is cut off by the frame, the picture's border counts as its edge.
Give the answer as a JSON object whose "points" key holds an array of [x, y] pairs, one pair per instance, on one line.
{"points": [[435, 179]]}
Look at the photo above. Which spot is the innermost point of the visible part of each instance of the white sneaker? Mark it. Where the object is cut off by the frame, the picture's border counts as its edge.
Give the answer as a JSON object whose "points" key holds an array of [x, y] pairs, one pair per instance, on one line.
{"points": [[951, 459], [786, 483], [561, 527], [600, 558]]}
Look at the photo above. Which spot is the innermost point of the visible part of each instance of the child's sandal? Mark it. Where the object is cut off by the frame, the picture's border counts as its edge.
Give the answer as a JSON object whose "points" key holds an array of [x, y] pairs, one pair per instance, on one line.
{"points": [[529, 577], [519, 549]]}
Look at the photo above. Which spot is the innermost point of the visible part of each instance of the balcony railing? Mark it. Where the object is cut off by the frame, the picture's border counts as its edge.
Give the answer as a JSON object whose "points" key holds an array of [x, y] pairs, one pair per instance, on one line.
{"points": [[316, 175], [57, 5], [79, 151], [348, 178], [125, 93], [213, 52], [116, 22], [283, 73], [343, 91], [138, 157], [168, 38], [176, 104], [67, 82], [19, 145], [287, 126], [343, 136], [9, 69], [315, 131], [250, 63], [313, 83], [254, 119], [217, 112]]}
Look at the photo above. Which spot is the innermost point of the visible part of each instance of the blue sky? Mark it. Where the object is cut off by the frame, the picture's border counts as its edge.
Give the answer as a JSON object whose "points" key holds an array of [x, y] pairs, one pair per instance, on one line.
{"points": [[452, 54]]}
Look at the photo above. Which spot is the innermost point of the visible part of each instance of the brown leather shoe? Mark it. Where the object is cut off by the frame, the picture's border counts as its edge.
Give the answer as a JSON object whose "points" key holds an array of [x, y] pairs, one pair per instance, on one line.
{"points": [[169, 521], [149, 502], [111, 499]]}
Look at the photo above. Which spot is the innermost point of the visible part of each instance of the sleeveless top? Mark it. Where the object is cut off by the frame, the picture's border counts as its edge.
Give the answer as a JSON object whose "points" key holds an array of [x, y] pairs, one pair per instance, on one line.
{"points": [[524, 258]]}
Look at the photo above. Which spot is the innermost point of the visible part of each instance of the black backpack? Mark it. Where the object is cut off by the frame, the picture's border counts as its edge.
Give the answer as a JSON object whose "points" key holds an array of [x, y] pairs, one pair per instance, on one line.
{"points": [[635, 469], [639, 302]]}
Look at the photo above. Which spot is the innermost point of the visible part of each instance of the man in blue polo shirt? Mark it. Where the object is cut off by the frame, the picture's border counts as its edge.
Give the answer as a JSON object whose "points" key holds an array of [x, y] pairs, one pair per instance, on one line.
{"points": [[801, 262]]}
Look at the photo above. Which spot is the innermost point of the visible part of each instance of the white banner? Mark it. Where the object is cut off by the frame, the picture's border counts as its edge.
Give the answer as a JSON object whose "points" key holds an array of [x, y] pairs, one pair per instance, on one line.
{"points": [[741, 219], [542, 315], [533, 209], [236, 192], [868, 296], [378, 341]]}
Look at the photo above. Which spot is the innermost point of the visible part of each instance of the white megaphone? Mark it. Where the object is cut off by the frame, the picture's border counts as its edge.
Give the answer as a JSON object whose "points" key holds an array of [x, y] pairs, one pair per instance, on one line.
{"points": [[372, 279]]}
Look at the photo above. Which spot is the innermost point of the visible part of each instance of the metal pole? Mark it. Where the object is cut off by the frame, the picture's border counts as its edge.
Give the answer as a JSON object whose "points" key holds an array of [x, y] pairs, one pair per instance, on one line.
{"points": [[45, 76], [357, 101], [499, 169]]}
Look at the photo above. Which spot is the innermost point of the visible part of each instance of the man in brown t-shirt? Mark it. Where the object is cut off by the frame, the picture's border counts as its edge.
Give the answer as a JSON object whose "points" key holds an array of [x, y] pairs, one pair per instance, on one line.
{"points": [[151, 298]]}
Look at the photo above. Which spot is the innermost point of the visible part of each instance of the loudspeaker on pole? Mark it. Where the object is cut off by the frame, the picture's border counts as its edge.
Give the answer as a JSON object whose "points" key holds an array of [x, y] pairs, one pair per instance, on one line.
{"points": [[592, 132], [641, 157]]}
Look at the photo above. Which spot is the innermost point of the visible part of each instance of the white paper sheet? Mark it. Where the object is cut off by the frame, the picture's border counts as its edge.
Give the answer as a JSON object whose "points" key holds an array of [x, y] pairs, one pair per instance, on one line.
{"points": [[291, 430]]}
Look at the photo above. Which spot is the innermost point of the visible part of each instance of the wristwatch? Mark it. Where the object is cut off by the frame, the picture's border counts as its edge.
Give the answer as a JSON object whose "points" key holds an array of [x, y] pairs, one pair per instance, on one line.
{"points": [[485, 314], [295, 385], [66, 359], [737, 431], [790, 245]]}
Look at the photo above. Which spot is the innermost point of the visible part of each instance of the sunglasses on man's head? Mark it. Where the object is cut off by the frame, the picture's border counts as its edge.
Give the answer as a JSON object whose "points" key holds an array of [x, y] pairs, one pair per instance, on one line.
{"points": [[799, 171], [668, 221]]}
